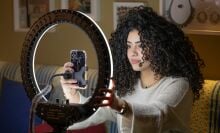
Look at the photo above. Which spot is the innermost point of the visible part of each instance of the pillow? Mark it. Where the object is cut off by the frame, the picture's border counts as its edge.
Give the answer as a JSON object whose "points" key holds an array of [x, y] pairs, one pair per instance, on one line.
{"points": [[214, 113], [14, 108], [46, 128]]}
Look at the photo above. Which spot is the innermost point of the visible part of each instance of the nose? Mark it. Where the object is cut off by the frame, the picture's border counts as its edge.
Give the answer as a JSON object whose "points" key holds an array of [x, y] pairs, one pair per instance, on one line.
{"points": [[134, 50]]}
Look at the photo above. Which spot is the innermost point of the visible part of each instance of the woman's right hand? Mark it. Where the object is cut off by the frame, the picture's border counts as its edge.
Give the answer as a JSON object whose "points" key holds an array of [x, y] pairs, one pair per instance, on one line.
{"points": [[70, 86]]}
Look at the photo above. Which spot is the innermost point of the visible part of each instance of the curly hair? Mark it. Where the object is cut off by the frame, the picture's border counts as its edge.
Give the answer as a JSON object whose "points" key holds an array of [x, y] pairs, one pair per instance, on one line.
{"points": [[164, 45]]}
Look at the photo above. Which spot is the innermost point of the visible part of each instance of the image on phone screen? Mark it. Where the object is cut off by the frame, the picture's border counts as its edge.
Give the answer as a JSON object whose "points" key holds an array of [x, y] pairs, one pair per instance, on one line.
{"points": [[79, 58]]}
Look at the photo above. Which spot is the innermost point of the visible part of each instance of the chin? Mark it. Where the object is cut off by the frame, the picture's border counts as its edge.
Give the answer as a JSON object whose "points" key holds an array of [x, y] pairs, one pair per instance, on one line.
{"points": [[136, 68]]}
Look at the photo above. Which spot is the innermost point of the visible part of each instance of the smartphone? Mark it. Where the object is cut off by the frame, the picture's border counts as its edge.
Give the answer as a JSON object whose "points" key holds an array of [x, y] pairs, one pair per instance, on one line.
{"points": [[79, 58]]}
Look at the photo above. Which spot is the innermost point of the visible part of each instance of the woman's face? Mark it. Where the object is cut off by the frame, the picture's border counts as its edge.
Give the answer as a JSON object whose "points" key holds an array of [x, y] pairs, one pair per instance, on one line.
{"points": [[134, 52]]}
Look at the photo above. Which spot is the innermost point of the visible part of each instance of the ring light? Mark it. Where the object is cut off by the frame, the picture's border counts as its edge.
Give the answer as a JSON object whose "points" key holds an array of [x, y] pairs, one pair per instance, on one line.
{"points": [[62, 115]]}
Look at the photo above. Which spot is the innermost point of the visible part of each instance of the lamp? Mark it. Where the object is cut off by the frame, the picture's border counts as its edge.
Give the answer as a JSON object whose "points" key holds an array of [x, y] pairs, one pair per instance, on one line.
{"points": [[60, 116]]}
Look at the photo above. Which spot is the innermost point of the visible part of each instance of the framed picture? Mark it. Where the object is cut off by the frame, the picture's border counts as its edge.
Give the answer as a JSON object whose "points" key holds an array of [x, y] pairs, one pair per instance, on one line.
{"points": [[90, 7], [131, 1], [26, 12], [121, 8], [196, 16]]}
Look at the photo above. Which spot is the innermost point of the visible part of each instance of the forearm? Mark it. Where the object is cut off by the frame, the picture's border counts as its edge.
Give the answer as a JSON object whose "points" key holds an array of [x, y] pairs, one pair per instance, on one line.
{"points": [[123, 107], [153, 112], [72, 95], [101, 115], [142, 113]]}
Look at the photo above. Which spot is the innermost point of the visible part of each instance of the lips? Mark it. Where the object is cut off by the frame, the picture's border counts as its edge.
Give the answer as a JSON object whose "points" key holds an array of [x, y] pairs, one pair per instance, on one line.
{"points": [[134, 61]]}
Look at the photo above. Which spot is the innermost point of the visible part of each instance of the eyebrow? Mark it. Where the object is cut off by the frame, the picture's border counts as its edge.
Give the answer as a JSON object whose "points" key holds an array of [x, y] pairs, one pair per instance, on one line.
{"points": [[134, 42]]}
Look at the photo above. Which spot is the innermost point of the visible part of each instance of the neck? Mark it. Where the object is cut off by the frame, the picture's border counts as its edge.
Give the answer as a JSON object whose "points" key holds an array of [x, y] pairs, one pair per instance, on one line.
{"points": [[149, 78]]}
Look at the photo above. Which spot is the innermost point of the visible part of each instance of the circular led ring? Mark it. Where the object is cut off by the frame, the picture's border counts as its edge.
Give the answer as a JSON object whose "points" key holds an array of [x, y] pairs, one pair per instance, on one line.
{"points": [[68, 114]]}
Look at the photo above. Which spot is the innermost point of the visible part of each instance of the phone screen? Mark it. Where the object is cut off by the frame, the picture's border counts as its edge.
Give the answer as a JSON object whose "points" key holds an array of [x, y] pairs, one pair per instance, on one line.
{"points": [[78, 58]]}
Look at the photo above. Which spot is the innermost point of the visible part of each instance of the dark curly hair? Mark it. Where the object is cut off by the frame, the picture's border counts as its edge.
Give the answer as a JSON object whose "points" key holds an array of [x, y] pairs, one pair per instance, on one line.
{"points": [[164, 45]]}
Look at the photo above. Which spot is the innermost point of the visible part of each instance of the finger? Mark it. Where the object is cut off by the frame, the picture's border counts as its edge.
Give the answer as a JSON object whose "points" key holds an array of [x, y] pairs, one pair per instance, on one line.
{"points": [[104, 90], [70, 86], [68, 64], [68, 81], [101, 98], [101, 105], [68, 67]]}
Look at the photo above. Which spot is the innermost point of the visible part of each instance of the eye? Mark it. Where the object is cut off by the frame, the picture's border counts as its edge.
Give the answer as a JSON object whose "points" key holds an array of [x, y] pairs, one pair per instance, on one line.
{"points": [[128, 46], [139, 45]]}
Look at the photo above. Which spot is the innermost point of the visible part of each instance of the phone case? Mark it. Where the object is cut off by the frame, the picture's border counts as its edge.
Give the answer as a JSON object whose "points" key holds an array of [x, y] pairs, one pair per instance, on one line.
{"points": [[79, 58]]}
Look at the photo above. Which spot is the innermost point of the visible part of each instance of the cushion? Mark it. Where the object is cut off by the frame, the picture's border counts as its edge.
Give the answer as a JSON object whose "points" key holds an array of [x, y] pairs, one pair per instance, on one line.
{"points": [[14, 108], [201, 115], [214, 113], [46, 128]]}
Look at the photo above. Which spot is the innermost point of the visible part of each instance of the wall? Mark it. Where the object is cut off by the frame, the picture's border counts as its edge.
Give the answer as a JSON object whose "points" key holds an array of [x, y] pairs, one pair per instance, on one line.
{"points": [[209, 49], [11, 42], [52, 53]]}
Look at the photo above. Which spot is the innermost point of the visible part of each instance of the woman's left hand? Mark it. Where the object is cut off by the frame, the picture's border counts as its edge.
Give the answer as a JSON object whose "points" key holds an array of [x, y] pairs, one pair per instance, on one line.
{"points": [[106, 97]]}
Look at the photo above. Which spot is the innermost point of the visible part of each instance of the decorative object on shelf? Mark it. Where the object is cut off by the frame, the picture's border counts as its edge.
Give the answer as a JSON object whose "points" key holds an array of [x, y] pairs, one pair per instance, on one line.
{"points": [[121, 8], [203, 19], [90, 7], [180, 12], [144, 1], [26, 12], [214, 17]]}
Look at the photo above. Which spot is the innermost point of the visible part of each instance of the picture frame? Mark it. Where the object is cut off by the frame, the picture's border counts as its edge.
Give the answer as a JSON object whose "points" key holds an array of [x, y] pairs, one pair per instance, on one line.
{"points": [[205, 17], [26, 12], [121, 8], [144, 1], [89, 7]]}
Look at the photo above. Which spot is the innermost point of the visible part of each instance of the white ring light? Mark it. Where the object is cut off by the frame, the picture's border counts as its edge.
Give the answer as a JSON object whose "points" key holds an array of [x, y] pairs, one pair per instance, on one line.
{"points": [[68, 114]]}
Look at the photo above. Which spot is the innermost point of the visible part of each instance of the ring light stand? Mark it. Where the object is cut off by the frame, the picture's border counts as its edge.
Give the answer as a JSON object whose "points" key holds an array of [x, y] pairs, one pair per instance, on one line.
{"points": [[60, 116]]}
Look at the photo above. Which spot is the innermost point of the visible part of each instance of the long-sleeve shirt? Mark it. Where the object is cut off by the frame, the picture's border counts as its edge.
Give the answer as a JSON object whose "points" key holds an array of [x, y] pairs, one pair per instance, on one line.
{"points": [[161, 108]]}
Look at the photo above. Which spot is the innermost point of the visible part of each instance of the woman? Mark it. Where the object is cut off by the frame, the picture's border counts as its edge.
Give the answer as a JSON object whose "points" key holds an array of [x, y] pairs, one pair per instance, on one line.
{"points": [[157, 76]]}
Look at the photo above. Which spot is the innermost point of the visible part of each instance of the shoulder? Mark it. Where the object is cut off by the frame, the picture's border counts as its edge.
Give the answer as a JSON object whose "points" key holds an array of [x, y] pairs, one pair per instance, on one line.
{"points": [[176, 82], [174, 90]]}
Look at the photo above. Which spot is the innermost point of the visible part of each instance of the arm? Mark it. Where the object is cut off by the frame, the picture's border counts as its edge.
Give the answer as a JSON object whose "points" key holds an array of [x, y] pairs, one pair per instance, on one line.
{"points": [[101, 115], [69, 86], [70, 92], [171, 104]]}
